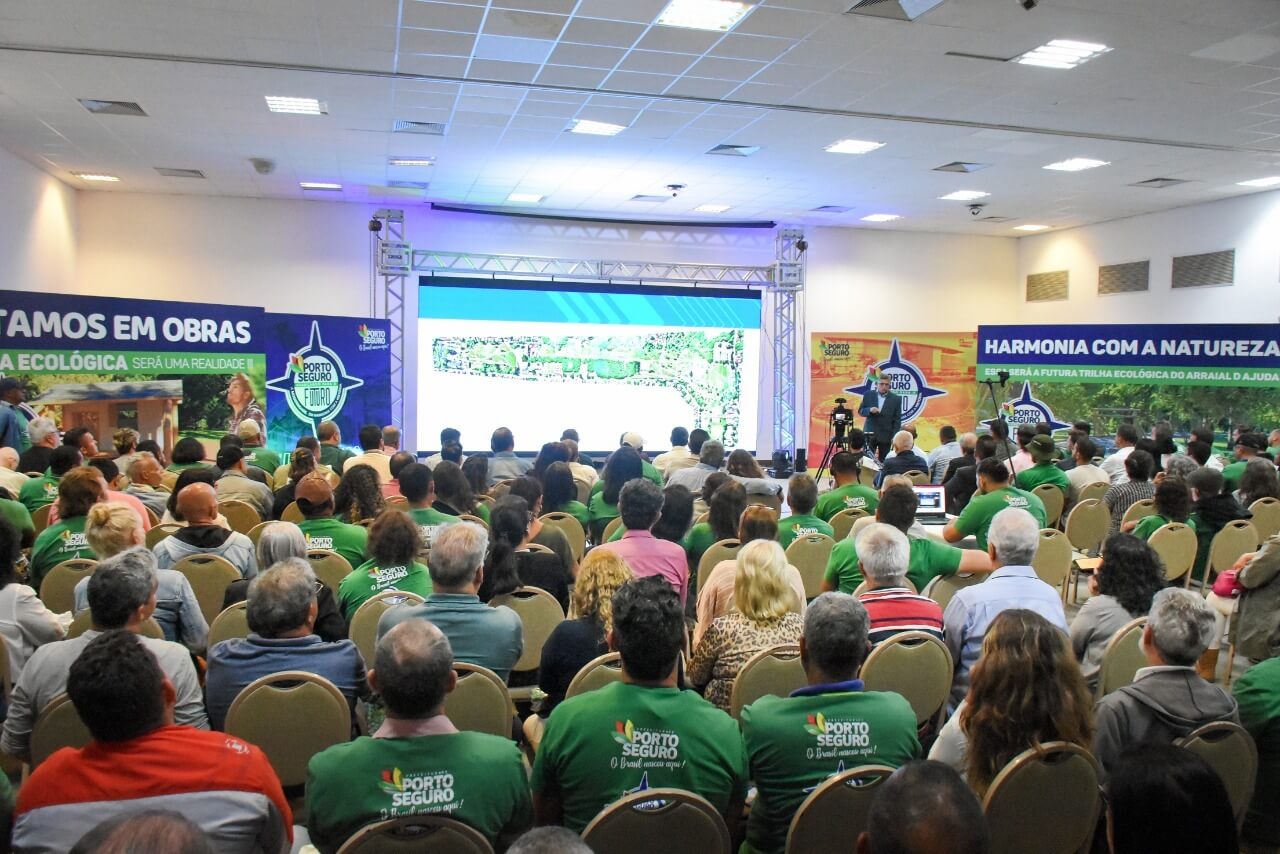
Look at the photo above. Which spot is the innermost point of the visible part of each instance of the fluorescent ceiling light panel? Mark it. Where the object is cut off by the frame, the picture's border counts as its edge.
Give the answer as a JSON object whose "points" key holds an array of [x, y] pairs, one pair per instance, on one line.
{"points": [[1030, 227], [296, 106], [411, 161], [716, 15], [95, 176], [1077, 164], [1260, 182], [596, 128], [1063, 54], [964, 196], [716, 209], [880, 218], [525, 198], [319, 185], [853, 146]]}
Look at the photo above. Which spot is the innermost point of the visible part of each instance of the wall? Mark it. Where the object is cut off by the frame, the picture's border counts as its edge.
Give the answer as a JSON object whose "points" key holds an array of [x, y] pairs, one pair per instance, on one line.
{"points": [[37, 229]]}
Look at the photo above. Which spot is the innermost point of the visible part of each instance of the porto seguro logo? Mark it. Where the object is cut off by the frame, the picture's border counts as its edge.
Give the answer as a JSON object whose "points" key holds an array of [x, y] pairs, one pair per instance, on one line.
{"points": [[315, 382], [1027, 410], [371, 339], [906, 380]]}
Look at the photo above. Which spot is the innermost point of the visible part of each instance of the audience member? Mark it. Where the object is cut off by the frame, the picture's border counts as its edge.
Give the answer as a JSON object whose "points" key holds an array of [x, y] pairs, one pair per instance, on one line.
{"points": [[373, 456], [584, 471], [511, 564], [40, 491], [742, 467], [78, 490], [640, 506], [1165, 798], [202, 535], [1126, 440], [358, 495], [948, 449], [1258, 481], [256, 454], [199, 474], [710, 460], [417, 486], [624, 465], [25, 622], [548, 536], [147, 832], [113, 482], [332, 454], [964, 459], [925, 808], [1177, 467], [235, 485], [549, 840], [1120, 590], [454, 495], [676, 516], [1212, 510], [322, 529], [717, 598], [725, 504], [1249, 445], [560, 494], [1258, 693], [1044, 455], [393, 544], [504, 463], [550, 454], [43, 434], [681, 456], [448, 436], [961, 485], [904, 458], [82, 439], [399, 460], [1172, 503], [301, 463], [187, 453], [849, 493], [995, 496], [10, 478], [883, 555], [802, 498], [1136, 486], [145, 476]]}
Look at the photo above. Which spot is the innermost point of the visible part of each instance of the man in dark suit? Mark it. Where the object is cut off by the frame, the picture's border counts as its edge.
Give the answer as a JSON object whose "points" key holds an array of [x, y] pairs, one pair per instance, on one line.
{"points": [[883, 411], [962, 483]]}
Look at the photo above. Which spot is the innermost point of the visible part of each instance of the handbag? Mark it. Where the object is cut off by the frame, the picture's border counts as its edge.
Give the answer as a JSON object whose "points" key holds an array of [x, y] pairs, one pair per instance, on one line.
{"points": [[1227, 585]]}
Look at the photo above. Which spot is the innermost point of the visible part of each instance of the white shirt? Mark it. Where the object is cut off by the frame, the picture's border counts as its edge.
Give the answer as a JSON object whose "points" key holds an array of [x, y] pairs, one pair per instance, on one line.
{"points": [[375, 460], [1080, 477], [435, 460], [12, 481], [679, 457], [1114, 466], [939, 457]]}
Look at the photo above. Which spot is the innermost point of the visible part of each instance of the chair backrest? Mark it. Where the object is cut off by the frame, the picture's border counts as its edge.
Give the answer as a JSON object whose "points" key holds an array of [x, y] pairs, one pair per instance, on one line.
{"points": [[1237, 538], [363, 629], [1139, 509], [40, 517], [329, 567], [398, 502], [58, 725], [584, 491], [159, 532], [57, 588], [943, 587], [417, 833], [84, 621], [1096, 490], [667, 820], [1176, 545], [1052, 562], [255, 533], [468, 517], [540, 548], [723, 550], [867, 476], [540, 613], [1045, 800], [842, 522], [280, 477], [572, 530], [292, 513], [233, 622], [209, 576], [918, 478], [610, 529], [703, 517], [152, 518], [292, 716], [1053, 499], [169, 480], [480, 702], [775, 671], [810, 554], [915, 665], [241, 516], [1122, 657], [1266, 517], [1230, 751], [6, 676], [596, 673], [836, 812], [1087, 525], [773, 502]]}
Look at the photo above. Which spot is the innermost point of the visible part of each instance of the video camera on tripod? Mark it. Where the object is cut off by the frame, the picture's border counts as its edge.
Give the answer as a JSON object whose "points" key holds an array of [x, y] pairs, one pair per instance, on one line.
{"points": [[840, 419]]}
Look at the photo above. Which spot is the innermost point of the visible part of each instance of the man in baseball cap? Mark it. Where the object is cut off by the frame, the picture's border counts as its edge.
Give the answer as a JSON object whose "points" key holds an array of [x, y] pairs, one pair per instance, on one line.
{"points": [[314, 497], [1044, 454], [1248, 446]]}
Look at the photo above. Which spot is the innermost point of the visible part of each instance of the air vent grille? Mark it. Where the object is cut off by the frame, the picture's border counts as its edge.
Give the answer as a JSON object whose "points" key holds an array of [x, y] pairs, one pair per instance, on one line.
{"points": [[1124, 278], [649, 198], [735, 150], [179, 173], [1047, 287], [1159, 183], [898, 10], [831, 209], [113, 108], [961, 166], [428, 128], [1209, 270], [995, 219]]}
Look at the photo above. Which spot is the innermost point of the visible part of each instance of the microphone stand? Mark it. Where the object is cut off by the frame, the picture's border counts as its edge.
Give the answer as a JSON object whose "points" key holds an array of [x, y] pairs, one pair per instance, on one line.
{"points": [[995, 405]]}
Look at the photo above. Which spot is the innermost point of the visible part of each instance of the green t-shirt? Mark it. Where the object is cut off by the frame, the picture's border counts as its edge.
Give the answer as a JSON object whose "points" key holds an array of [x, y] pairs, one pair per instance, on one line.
{"points": [[851, 496], [1148, 525], [56, 543], [929, 559], [697, 541], [647, 470], [181, 467], [977, 515], [476, 778], [1040, 473], [576, 509], [262, 458], [17, 515], [624, 738], [1231, 475], [599, 509], [334, 456], [38, 492], [795, 743], [369, 579], [800, 526], [430, 523], [350, 541]]}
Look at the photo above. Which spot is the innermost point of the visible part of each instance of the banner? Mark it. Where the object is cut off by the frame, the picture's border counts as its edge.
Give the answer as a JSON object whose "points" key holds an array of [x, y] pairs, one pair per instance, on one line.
{"points": [[326, 369], [933, 372]]}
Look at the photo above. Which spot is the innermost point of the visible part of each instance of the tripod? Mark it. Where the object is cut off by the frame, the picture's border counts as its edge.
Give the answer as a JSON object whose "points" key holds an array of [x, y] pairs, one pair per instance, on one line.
{"points": [[840, 419], [995, 406]]}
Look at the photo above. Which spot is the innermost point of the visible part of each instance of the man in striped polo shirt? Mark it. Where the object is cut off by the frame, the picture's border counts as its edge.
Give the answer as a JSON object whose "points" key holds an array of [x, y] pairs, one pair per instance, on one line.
{"points": [[883, 554]]}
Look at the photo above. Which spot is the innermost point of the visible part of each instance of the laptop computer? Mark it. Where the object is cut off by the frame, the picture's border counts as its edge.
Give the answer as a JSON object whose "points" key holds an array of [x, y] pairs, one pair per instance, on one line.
{"points": [[931, 505]]}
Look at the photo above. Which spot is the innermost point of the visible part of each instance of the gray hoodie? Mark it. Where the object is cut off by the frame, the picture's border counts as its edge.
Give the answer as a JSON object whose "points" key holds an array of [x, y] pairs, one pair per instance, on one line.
{"points": [[1162, 704], [208, 540]]}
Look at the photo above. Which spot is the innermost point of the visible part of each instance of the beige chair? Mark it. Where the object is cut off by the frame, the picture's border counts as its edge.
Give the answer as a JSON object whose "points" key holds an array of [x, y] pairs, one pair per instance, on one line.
{"points": [[667, 820], [704, 517], [596, 673], [210, 576], [773, 502], [1266, 517], [1239, 537], [242, 517], [864, 587], [169, 480], [159, 532], [280, 478], [1094, 491], [1230, 751], [398, 502], [58, 725], [540, 548], [775, 671], [40, 517], [572, 530], [942, 588], [152, 518], [723, 550], [1053, 500], [867, 476], [417, 833], [842, 523], [233, 622], [1045, 800], [329, 567], [467, 517], [57, 588], [363, 629], [1139, 509], [610, 529], [539, 613], [1087, 526], [1121, 658], [293, 514], [835, 813], [584, 491], [291, 716], [480, 702], [1052, 562], [918, 478], [1175, 544], [915, 665], [810, 554], [255, 533], [84, 621]]}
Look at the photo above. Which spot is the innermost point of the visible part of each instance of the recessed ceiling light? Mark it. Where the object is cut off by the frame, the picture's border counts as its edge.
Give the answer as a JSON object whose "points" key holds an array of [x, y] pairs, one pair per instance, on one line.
{"points": [[298, 106], [596, 128], [95, 176], [719, 15], [712, 208], [1260, 182], [319, 185], [1077, 164], [1062, 53], [411, 161], [525, 198], [880, 218], [964, 196], [853, 146], [1030, 227]]}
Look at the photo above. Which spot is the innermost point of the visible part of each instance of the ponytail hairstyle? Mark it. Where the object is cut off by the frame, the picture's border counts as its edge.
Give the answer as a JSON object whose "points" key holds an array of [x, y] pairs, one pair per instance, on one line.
{"points": [[508, 527]]}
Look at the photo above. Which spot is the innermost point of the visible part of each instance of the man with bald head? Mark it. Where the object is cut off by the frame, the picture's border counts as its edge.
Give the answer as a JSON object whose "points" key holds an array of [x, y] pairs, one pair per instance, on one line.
{"points": [[417, 761], [198, 505], [10, 478], [145, 475]]}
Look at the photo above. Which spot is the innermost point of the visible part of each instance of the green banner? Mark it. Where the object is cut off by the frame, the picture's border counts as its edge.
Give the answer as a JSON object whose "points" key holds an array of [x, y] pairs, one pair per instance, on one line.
{"points": [[1225, 377], [127, 362]]}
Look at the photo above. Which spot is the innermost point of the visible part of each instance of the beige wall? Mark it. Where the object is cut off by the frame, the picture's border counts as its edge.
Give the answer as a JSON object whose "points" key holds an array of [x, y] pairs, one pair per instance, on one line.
{"points": [[37, 229]]}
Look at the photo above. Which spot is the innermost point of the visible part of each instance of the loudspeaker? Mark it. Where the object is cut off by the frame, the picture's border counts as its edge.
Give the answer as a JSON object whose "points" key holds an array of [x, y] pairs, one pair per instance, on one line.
{"points": [[781, 465], [802, 460]]}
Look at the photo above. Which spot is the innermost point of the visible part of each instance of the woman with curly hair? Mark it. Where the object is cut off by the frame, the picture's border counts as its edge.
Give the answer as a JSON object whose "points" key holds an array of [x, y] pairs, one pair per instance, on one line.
{"points": [[394, 543], [1172, 504], [301, 464], [1120, 591], [359, 495], [623, 465], [454, 496], [1026, 690], [1258, 481], [743, 464]]}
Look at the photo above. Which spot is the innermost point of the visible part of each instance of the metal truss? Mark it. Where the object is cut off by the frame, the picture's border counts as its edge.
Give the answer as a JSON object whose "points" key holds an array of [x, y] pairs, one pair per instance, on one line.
{"points": [[435, 261], [388, 300], [788, 284]]}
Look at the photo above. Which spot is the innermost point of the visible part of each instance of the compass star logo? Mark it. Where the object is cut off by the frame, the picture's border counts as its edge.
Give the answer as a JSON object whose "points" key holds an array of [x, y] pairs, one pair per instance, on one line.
{"points": [[906, 380], [315, 382], [1027, 410]]}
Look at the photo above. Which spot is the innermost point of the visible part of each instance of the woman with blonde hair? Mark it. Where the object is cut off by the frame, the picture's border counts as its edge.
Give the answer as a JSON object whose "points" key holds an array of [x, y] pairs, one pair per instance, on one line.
{"points": [[1026, 690], [764, 616]]}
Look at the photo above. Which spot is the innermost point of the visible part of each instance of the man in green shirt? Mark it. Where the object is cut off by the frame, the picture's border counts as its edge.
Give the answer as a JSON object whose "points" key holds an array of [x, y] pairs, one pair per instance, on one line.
{"points": [[419, 490], [994, 494], [849, 494], [1258, 694], [647, 469], [929, 558], [1248, 446], [332, 454], [802, 497], [78, 490], [830, 726], [16, 514], [39, 491], [417, 762], [1044, 453], [255, 452], [643, 732], [315, 500]]}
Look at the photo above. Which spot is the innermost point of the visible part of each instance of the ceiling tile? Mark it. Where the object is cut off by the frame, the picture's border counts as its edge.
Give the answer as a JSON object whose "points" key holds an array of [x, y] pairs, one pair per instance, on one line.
{"points": [[562, 75], [586, 56], [503, 22], [492, 69], [678, 40], [437, 42], [640, 11], [657, 62], [442, 16], [606, 33], [512, 49]]}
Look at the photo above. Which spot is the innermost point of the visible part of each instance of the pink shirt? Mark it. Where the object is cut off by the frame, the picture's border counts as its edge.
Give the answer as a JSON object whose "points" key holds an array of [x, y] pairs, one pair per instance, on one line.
{"points": [[112, 495], [647, 555]]}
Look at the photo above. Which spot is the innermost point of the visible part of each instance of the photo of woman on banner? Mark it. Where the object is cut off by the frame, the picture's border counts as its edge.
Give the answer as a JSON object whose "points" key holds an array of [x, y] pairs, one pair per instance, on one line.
{"points": [[243, 405]]}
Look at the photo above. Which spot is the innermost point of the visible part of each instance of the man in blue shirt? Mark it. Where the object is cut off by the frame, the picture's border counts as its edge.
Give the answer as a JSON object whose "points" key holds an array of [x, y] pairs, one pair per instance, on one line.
{"points": [[504, 464]]}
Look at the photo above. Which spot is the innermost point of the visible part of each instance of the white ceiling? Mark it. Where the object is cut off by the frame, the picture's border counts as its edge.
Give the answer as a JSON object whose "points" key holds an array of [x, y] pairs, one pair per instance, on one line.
{"points": [[1201, 80]]}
